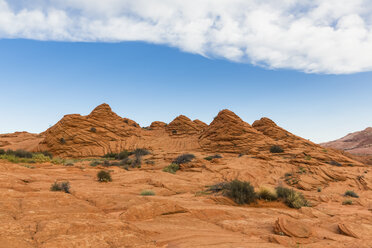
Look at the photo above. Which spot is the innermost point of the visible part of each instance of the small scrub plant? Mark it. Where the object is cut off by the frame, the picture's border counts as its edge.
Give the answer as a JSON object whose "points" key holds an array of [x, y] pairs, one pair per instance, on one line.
{"points": [[95, 163], [307, 157], [110, 155], [319, 189], [2, 151], [291, 198], [147, 193], [267, 194], [61, 186], [351, 194], [209, 158], [93, 129], [184, 158], [28, 166], [172, 168], [62, 141], [242, 192], [335, 163], [104, 176], [139, 152], [347, 202], [123, 155], [276, 149]]}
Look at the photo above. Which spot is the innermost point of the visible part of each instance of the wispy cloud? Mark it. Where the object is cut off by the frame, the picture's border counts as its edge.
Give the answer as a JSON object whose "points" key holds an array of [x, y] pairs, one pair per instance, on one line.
{"points": [[316, 36]]}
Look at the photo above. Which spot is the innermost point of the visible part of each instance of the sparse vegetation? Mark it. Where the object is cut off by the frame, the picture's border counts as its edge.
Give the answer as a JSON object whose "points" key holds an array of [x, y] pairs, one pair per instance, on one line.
{"points": [[276, 149], [307, 157], [28, 166], [104, 176], [241, 192], [172, 168], [61, 186], [347, 202], [93, 129], [139, 152], [62, 141], [319, 189], [21, 156], [351, 194], [291, 198], [335, 163], [184, 158], [267, 194], [147, 193], [209, 158], [95, 163]]}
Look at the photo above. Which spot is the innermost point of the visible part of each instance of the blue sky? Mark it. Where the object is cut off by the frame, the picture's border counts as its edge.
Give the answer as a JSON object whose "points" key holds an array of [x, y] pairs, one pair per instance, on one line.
{"points": [[41, 81]]}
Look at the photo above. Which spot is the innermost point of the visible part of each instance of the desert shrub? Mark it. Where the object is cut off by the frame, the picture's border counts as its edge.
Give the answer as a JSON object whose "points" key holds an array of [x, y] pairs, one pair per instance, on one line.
{"points": [[62, 141], [209, 158], [136, 163], [47, 154], [93, 129], [172, 168], [276, 149], [22, 154], [288, 174], [110, 155], [184, 158], [62, 186], [126, 161], [308, 157], [282, 192], [351, 194], [319, 189], [104, 176], [151, 162], [28, 166], [2, 151], [106, 163], [147, 192], [139, 152], [123, 155], [347, 202], [217, 187], [335, 163], [291, 198], [240, 191], [267, 194], [95, 163]]}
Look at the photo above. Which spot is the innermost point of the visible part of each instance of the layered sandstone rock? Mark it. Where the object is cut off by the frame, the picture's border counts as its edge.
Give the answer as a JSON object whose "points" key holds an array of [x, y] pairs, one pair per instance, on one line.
{"points": [[96, 134], [355, 143], [228, 133], [182, 125]]}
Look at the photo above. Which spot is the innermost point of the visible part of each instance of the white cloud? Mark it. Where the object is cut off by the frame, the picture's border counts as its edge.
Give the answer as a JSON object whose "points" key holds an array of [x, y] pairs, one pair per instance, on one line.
{"points": [[316, 36]]}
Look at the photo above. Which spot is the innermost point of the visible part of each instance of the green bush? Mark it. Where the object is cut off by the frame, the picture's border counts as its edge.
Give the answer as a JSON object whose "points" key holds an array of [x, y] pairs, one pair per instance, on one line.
{"points": [[139, 152], [209, 158], [184, 158], [2, 151], [62, 186], [172, 168], [292, 198], [95, 163], [110, 155], [123, 155], [347, 202], [267, 194], [239, 191], [104, 176], [351, 194], [276, 149], [147, 192]]}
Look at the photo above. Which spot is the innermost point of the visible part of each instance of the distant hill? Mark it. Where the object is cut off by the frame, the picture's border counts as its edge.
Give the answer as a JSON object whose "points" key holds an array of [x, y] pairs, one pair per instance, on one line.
{"points": [[356, 143]]}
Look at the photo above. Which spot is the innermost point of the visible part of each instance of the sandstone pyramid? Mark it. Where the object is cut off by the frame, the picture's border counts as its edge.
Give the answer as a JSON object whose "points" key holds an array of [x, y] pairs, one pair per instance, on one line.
{"points": [[98, 133], [183, 125], [229, 133]]}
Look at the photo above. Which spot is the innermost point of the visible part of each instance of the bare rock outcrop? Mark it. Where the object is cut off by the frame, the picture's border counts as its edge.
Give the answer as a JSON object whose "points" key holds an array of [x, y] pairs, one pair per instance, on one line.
{"points": [[292, 228], [229, 133]]}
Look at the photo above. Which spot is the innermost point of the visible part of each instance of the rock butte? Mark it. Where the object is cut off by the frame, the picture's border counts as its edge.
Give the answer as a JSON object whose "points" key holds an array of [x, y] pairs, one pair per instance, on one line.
{"points": [[116, 215]]}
